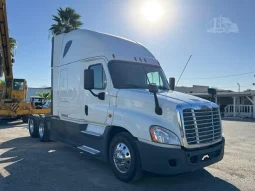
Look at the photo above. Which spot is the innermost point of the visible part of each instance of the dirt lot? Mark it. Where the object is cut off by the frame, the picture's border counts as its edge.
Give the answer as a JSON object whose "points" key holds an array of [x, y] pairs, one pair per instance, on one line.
{"points": [[27, 164]]}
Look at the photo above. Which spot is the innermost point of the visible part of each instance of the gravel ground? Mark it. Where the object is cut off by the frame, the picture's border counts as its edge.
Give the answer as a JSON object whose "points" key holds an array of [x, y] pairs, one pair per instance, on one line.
{"points": [[27, 164]]}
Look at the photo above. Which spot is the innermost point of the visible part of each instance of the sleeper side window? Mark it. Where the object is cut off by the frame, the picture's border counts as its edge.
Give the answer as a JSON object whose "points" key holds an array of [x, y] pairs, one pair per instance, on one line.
{"points": [[67, 47], [99, 76]]}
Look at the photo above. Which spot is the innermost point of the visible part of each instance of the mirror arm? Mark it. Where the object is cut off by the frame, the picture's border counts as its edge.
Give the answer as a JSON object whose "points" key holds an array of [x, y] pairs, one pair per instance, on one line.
{"points": [[93, 93], [158, 109], [100, 96]]}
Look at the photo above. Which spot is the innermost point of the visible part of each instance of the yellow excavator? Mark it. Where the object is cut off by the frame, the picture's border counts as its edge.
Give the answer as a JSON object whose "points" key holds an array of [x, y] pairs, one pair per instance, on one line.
{"points": [[13, 93]]}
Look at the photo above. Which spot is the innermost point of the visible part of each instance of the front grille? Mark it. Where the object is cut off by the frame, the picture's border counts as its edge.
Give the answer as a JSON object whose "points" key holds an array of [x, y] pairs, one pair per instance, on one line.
{"points": [[202, 126]]}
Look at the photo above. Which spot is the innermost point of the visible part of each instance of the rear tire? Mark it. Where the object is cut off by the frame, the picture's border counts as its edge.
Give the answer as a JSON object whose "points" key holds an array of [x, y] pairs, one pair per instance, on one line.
{"points": [[44, 132], [124, 158], [33, 127]]}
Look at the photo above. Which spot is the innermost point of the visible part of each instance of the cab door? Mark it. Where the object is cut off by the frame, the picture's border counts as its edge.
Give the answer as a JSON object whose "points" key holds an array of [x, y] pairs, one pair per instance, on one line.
{"points": [[96, 109]]}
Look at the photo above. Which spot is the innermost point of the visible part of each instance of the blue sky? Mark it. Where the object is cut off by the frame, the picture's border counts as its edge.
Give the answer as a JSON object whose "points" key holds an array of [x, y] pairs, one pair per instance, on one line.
{"points": [[180, 32]]}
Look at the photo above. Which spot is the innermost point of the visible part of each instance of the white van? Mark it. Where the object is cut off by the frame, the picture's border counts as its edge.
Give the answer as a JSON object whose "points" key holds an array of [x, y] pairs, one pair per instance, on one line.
{"points": [[111, 99]]}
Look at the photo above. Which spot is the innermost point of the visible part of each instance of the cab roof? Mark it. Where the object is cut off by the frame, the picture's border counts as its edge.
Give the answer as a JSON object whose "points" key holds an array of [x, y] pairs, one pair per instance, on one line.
{"points": [[81, 44]]}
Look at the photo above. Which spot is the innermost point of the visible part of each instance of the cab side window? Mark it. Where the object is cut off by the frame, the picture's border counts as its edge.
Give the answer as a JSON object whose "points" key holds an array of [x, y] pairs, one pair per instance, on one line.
{"points": [[154, 77], [99, 76]]}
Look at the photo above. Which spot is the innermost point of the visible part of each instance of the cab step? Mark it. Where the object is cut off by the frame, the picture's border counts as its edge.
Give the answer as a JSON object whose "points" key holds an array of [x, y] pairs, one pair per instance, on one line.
{"points": [[89, 150], [91, 133]]}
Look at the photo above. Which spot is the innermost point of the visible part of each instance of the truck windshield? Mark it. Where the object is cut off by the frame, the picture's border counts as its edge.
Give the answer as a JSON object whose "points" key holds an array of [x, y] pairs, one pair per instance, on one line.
{"points": [[133, 75]]}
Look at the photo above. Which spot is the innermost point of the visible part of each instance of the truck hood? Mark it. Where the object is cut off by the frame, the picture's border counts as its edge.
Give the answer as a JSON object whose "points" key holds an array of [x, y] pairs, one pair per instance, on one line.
{"points": [[168, 99], [181, 97]]}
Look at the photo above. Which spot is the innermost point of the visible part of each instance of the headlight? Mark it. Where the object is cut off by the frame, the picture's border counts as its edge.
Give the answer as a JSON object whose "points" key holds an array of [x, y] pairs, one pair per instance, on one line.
{"points": [[162, 135]]}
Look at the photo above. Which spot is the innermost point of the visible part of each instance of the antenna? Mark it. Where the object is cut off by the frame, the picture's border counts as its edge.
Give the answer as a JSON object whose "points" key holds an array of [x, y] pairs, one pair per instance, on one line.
{"points": [[183, 69]]}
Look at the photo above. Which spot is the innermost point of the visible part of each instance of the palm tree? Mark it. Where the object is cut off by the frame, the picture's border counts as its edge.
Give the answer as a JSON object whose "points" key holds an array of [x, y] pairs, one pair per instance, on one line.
{"points": [[44, 95], [2, 82], [66, 20], [13, 45]]}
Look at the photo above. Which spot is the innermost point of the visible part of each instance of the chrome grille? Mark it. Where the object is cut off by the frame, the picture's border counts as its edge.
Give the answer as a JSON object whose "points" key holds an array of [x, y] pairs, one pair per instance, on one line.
{"points": [[202, 126]]}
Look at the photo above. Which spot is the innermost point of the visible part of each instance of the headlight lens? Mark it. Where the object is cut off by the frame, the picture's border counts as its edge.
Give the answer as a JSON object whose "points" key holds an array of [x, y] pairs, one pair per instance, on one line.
{"points": [[162, 135]]}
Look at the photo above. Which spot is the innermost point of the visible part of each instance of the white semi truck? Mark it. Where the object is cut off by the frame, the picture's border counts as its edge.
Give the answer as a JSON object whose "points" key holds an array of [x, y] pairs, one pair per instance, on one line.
{"points": [[111, 100]]}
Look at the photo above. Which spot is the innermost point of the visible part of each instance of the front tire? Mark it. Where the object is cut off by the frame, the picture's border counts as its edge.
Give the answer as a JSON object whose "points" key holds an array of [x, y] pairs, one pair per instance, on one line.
{"points": [[124, 158], [33, 127], [44, 132]]}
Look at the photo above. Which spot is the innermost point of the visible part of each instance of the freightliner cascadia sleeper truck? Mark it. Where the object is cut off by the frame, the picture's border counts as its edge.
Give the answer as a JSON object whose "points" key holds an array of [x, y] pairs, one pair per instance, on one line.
{"points": [[111, 100]]}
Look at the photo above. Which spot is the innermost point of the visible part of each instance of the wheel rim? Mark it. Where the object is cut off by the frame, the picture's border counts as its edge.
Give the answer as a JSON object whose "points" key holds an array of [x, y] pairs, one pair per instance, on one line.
{"points": [[41, 129], [122, 157], [31, 125]]}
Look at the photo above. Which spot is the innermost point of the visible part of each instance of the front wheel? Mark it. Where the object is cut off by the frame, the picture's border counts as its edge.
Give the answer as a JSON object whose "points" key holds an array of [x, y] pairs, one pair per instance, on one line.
{"points": [[124, 158]]}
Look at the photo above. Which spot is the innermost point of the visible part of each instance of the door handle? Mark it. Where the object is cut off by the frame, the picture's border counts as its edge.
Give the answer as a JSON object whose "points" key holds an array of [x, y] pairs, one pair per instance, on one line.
{"points": [[86, 109]]}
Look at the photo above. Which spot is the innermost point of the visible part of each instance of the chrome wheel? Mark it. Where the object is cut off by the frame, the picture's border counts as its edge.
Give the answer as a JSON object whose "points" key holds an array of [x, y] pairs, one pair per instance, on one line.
{"points": [[122, 157], [41, 129], [31, 126]]}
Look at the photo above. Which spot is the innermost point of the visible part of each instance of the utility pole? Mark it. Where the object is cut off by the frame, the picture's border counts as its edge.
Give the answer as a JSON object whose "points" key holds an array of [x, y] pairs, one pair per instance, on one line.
{"points": [[238, 87]]}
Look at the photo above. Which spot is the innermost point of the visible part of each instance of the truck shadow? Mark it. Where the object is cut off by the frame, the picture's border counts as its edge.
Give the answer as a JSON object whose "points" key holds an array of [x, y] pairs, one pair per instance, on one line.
{"points": [[198, 180], [10, 123], [27, 164]]}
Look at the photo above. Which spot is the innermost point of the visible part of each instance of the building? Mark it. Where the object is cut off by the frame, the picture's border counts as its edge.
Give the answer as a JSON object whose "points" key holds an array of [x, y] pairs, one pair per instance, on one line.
{"points": [[231, 104], [196, 89], [33, 91], [193, 89]]}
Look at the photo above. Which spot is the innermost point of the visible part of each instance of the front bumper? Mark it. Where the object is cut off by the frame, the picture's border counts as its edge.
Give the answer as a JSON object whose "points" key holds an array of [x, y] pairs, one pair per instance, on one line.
{"points": [[169, 161]]}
